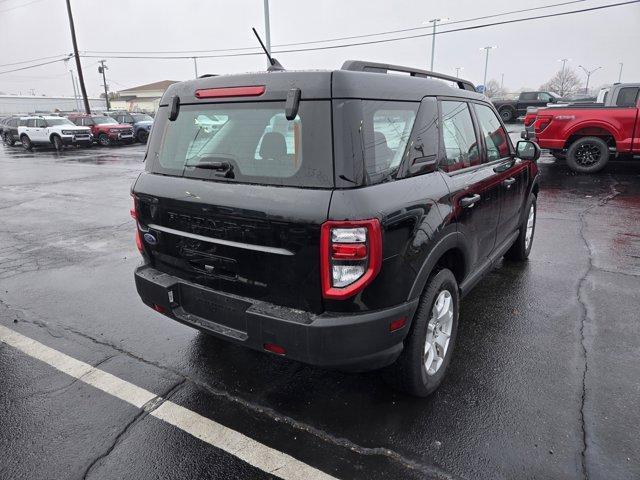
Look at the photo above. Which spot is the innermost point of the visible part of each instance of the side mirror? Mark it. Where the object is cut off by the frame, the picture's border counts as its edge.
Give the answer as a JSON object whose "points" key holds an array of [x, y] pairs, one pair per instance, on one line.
{"points": [[527, 150]]}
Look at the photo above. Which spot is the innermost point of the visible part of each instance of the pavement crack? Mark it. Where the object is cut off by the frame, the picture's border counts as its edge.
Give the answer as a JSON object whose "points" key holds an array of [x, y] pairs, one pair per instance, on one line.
{"points": [[581, 296], [140, 415]]}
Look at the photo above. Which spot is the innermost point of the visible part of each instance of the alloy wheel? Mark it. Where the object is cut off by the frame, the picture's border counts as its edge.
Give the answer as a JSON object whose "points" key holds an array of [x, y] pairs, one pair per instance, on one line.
{"points": [[588, 154], [438, 332], [531, 221]]}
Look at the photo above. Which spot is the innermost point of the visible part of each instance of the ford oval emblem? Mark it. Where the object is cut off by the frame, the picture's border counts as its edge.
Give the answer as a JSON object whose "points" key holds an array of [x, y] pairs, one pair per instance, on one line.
{"points": [[150, 239]]}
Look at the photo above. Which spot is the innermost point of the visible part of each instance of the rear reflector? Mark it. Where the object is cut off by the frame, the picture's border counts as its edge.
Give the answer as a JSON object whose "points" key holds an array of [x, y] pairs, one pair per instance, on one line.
{"points": [[273, 348], [139, 241], [224, 92], [397, 324], [159, 308]]}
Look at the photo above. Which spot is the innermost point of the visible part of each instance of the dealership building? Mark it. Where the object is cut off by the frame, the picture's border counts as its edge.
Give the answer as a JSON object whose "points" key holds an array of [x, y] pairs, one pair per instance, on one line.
{"points": [[12, 104]]}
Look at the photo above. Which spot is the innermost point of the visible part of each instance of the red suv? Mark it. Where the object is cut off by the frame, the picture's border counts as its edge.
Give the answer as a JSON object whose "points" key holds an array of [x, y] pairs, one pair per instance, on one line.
{"points": [[106, 131]]}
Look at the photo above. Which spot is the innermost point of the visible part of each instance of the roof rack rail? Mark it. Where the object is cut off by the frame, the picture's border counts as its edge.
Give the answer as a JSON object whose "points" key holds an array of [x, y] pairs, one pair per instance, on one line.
{"points": [[362, 66]]}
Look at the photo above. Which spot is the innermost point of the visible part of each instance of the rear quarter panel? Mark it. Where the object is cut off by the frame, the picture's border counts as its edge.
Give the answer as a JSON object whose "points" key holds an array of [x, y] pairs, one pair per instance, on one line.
{"points": [[413, 213]]}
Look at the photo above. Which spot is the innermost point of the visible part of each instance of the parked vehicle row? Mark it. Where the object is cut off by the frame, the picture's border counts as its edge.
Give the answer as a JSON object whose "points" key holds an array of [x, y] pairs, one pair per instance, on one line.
{"points": [[588, 135], [75, 129]]}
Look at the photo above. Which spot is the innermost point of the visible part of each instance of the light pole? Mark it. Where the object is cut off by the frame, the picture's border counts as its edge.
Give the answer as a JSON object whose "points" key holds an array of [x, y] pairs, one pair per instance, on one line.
{"points": [[501, 81], [620, 73], [433, 37], [458, 71], [486, 62], [195, 65], [73, 83], [564, 62], [588, 73], [267, 29]]}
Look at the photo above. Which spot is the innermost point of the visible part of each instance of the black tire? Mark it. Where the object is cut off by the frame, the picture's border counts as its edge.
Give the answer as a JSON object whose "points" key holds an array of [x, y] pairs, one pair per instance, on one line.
{"points": [[103, 140], [521, 249], [558, 154], [588, 155], [8, 139], [26, 142], [142, 136], [409, 373], [57, 142], [507, 114]]}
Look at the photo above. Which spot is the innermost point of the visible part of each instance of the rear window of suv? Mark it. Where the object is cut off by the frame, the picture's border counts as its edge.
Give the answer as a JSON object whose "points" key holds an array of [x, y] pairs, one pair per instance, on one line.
{"points": [[246, 143]]}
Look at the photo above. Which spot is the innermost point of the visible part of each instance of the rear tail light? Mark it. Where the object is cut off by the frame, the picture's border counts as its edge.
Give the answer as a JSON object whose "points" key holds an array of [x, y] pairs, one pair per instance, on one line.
{"points": [[542, 122], [351, 256], [529, 119], [274, 348]]}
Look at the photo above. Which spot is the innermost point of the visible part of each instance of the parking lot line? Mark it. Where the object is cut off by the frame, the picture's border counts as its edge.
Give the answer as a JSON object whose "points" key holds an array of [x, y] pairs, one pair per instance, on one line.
{"points": [[245, 448]]}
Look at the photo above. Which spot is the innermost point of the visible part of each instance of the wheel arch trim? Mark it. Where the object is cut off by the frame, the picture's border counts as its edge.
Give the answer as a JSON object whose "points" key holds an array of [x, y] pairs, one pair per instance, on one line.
{"points": [[451, 240]]}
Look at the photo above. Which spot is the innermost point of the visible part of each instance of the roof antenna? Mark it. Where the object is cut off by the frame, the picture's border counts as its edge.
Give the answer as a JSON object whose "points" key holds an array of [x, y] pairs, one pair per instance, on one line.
{"points": [[274, 65]]}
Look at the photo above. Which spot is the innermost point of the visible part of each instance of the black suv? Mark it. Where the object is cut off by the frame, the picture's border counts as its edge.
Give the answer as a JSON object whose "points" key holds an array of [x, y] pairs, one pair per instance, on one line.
{"points": [[335, 218], [9, 129]]}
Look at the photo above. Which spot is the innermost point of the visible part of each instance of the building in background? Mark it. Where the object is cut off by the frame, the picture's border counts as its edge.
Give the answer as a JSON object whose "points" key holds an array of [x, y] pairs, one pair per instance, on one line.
{"points": [[11, 104], [144, 98]]}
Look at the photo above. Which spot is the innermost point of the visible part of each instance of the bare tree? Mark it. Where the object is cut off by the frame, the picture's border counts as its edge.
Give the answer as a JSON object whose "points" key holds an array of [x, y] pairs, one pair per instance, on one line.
{"points": [[565, 82], [493, 89]]}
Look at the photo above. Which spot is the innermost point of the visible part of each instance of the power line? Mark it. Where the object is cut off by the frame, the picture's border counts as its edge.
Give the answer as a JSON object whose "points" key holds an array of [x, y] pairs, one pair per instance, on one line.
{"points": [[35, 60], [33, 66], [351, 37], [371, 42], [20, 6]]}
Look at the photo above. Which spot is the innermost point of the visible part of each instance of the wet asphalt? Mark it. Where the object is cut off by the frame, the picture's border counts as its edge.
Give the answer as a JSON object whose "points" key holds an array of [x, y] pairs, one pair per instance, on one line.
{"points": [[544, 382]]}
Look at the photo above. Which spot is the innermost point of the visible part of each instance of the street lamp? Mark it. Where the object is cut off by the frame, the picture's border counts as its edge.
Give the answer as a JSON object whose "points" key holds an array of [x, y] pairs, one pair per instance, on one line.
{"points": [[433, 37], [73, 83], [620, 73], [588, 73], [458, 71], [486, 62]]}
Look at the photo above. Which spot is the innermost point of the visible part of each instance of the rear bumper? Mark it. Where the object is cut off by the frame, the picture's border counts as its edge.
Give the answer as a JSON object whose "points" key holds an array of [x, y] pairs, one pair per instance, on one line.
{"points": [[551, 144], [355, 342]]}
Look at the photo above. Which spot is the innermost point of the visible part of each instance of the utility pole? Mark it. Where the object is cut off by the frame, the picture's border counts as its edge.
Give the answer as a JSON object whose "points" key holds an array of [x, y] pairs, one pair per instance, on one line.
{"points": [[620, 73], [101, 70], [87, 109], [433, 37], [486, 62], [195, 65], [588, 73], [501, 81], [73, 84], [267, 29]]}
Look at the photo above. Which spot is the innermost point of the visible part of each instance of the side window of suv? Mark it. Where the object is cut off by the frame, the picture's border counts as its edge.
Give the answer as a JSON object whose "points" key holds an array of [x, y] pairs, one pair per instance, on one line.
{"points": [[40, 123], [527, 96], [495, 136], [31, 122], [544, 97], [627, 97], [459, 137]]}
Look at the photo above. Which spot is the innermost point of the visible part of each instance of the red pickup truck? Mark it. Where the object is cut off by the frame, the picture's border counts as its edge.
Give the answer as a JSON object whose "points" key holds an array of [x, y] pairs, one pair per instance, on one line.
{"points": [[589, 134]]}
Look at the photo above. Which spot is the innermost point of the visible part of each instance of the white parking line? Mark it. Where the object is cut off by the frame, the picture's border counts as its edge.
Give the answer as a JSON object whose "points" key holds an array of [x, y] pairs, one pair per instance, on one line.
{"points": [[246, 449]]}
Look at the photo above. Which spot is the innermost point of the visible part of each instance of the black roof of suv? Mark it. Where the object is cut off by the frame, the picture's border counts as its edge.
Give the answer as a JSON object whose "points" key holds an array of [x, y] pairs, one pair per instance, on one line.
{"points": [[329, 215]]}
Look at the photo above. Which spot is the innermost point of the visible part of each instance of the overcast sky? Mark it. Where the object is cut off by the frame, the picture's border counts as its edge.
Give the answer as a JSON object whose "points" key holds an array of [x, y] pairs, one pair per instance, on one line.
{"points": [[527, 52]]}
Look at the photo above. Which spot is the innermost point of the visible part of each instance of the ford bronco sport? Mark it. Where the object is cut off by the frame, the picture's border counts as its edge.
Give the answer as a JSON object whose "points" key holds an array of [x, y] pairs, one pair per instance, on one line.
{"points": [[335, 218]]}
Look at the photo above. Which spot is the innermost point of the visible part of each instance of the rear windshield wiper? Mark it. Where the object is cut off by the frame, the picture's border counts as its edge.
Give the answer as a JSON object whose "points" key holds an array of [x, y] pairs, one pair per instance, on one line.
{"points": [[224, 167], [221, 166]]}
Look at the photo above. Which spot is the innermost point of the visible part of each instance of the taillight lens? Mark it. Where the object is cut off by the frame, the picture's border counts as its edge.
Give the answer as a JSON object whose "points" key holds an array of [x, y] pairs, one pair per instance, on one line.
{"points": [[542, 122], [529, 119], [134, 214], [351, 256]]}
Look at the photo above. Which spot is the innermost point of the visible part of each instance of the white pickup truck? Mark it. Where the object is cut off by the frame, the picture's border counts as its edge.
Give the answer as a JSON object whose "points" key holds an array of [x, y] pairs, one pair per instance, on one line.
{"points": [[52, 130]]}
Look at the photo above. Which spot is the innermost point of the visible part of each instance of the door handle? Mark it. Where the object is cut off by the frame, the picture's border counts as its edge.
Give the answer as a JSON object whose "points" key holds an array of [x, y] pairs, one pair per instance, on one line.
{"points": [[468, 202], [508, 182]]}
